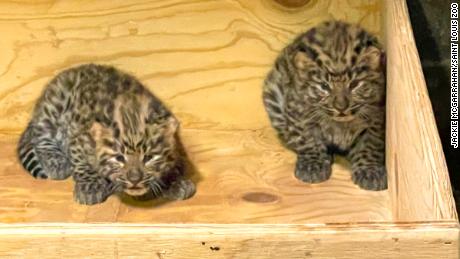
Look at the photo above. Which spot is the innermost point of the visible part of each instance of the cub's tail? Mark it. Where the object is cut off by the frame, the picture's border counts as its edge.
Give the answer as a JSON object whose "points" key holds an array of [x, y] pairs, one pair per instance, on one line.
{"points": [[27, 154]]}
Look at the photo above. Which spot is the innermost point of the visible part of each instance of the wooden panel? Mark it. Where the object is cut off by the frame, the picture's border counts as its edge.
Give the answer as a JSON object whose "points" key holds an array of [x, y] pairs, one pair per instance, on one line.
{"points": [[419, 180], [206, 60], [230, 241]]}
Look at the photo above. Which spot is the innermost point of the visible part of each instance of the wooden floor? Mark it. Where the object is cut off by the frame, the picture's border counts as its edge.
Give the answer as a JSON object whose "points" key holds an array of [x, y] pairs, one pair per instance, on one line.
{"points": [[206, 60], [249, 181]]}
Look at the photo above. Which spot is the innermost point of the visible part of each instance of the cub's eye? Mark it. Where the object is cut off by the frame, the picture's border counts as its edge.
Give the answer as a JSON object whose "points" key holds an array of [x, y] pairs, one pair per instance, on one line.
{"points": [[325, 87], [147, 158], [150, 158], [354, 84], [120, 158]]}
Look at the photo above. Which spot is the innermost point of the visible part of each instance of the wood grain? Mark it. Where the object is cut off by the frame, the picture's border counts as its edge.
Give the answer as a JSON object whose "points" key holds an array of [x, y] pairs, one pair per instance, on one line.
{"points": [[206, 60], [419, 181]]}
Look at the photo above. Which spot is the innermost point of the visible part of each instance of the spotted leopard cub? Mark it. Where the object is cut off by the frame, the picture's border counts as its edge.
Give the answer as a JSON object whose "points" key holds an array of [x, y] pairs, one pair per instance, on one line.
{"points": [[105, 129], [326, 95]]}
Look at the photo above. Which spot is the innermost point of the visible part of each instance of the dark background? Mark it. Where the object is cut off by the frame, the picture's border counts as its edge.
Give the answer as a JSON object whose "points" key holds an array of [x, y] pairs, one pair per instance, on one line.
{"points": [[431, 25]]}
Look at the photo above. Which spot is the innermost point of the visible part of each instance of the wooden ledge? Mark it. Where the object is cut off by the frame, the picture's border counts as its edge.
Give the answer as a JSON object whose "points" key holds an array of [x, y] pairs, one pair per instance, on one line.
{"points": [[231, 240]]}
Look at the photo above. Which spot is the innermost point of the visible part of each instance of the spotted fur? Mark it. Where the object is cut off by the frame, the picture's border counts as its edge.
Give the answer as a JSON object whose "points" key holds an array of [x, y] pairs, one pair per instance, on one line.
{"points": [[326, 95], [104, 128]]}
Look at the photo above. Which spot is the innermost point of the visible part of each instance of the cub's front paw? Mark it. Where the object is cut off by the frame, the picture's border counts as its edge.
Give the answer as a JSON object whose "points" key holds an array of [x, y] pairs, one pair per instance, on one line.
{"points": [[180, 190], [312, 171], [372, 178], [90, 193]]}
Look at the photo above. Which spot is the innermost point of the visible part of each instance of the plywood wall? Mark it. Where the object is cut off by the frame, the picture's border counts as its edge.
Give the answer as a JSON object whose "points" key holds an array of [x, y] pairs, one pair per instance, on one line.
{"points": [[205, 59]]}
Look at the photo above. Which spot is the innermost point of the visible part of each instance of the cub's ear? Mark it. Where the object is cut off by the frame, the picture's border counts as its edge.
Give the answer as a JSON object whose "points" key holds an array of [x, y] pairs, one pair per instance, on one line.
{"points": [[166, 128], [99, 132], [305, 57], [373, 57], [171, 126]]}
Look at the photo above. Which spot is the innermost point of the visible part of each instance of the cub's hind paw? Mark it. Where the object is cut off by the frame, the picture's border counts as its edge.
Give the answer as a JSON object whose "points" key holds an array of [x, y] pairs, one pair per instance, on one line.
{"points": [[312, 171], [61, 171], [56, 166], [372, 178]]}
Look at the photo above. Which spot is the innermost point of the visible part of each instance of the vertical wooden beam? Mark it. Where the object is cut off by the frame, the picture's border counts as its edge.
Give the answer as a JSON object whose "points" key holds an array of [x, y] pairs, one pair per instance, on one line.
{"points": [[418, 177]]}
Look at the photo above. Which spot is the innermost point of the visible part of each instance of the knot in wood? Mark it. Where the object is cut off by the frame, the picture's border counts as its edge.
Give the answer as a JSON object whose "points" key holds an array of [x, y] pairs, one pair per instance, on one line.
{"points": [[292, 3], [260, 197]]}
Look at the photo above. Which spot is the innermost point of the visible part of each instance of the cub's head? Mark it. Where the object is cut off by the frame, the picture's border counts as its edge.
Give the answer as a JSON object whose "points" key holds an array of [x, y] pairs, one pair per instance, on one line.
{"points": [[340, 70], [139, 150]]}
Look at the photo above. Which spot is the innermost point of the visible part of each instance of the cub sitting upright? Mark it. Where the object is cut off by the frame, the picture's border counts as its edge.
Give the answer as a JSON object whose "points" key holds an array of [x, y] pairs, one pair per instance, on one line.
{"points": [[326, 95]]}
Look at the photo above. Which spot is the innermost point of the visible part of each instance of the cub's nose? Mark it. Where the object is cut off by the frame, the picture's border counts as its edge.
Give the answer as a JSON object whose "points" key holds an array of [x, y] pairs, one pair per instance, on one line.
{"points": [[134, 176], [340, 104]]}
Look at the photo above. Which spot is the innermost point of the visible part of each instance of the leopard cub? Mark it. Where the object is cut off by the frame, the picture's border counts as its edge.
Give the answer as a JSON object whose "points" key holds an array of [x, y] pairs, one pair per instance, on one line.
{"points": [[325, 96], [105, 129]]}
